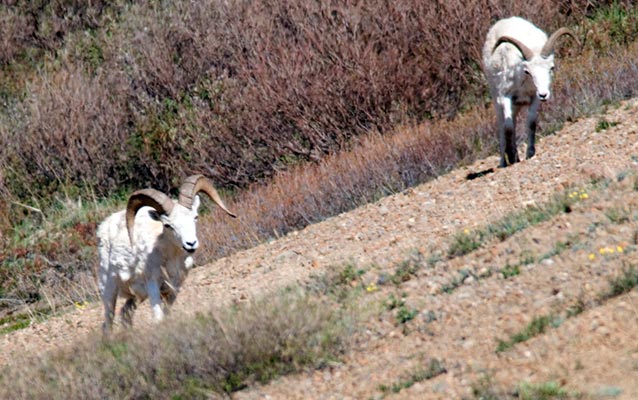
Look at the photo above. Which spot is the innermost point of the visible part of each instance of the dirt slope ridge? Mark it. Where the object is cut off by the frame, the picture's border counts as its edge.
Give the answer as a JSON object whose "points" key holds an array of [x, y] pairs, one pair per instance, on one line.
{"points": [[593, 352]]}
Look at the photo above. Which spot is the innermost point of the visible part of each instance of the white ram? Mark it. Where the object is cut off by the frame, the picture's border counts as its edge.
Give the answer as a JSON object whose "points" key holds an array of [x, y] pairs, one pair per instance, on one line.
{"points": [[518, 61], [145, 251]]}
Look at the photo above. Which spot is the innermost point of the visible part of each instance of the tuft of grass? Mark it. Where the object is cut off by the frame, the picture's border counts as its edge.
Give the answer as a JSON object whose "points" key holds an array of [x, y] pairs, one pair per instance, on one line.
{"points": [[622, 284], [457, 281], [403, 314], [509, 271], [485, 389], [408, 268], [542, 391], [434, 368], [340, 283], [558, 248], [464, 243], [603, 124], [618, 215], [536, 327]]}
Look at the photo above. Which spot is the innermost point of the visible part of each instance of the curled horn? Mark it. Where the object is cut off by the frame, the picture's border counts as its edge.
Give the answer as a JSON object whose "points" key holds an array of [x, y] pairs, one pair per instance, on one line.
{"points": [[146, 197], [526, 51], [550, 45], [195, 184]]}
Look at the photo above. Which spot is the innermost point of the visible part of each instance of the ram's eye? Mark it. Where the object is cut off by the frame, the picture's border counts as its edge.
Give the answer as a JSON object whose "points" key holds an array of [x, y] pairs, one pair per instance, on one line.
{"points": [[168, 226], [527, 72], [552, 69], [196, 217]]}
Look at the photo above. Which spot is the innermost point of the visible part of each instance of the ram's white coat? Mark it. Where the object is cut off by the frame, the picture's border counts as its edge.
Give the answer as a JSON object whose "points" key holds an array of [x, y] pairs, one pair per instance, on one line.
{"points": [[517, 81]]}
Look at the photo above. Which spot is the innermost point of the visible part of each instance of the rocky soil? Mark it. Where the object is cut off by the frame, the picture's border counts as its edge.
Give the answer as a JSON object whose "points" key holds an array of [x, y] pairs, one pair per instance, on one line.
{"points": [[465, 304]]}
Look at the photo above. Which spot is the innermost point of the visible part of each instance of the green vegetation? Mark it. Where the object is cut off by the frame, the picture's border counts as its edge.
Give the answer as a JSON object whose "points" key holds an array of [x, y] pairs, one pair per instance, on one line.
{"points": [[509, 271], [408, 268], [542, 391], [467, 241], [619, 285], [622, 284], [603, 124], [432, 370], [536, 327]]}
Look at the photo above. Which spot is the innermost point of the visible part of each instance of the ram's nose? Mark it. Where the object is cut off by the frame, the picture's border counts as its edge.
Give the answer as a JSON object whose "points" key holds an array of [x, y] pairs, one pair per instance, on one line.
{"points": [[191, 246], [543, 96]]}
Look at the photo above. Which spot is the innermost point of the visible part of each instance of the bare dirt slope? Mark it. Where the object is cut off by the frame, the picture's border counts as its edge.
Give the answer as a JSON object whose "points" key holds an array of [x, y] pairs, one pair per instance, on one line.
{"points": [[594, 352]]}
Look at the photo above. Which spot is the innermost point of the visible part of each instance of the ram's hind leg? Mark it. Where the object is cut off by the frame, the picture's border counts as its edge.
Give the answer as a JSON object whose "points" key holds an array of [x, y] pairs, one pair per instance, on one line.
{"points": [[126, 313], [109, 298]]}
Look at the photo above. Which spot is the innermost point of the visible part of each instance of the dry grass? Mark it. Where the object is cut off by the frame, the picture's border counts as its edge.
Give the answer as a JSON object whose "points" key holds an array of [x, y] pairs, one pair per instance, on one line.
{"points": [[215, 352]]}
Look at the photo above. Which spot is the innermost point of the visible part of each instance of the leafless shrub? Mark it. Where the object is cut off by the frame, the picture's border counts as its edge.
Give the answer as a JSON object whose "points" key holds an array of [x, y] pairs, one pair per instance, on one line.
{"points": [[72, 134]]}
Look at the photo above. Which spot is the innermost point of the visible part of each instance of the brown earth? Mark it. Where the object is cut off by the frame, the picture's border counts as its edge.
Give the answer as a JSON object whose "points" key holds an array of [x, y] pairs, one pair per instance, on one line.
{"points": [[594, 353]]}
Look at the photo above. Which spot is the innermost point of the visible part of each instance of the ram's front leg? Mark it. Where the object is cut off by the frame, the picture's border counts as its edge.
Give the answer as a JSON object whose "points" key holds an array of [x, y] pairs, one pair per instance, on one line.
{"points": [[506, 131], [153, 291], [532, 117]]}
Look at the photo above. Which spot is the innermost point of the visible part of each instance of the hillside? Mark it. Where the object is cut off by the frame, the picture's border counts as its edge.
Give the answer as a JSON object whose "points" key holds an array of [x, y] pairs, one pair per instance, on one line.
{"points": [[465, 303]]}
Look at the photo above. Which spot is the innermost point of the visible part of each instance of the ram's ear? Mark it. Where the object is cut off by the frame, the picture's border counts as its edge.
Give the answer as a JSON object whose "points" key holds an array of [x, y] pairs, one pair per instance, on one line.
{"points": [[154, 215]]}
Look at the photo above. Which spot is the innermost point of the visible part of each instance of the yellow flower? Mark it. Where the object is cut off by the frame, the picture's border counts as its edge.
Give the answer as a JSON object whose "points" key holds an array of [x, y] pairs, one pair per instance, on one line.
{"points": [[80, 306], [602, 250], [466, 231], [591, 256], [620, 249], [372, 287], [584, 196]]}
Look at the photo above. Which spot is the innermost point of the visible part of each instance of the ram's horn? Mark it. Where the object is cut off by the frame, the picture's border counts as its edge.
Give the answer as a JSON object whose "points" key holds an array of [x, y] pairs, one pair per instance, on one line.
{"points": [[199, 183], [146, 197], [526, 51], [550, 45]]}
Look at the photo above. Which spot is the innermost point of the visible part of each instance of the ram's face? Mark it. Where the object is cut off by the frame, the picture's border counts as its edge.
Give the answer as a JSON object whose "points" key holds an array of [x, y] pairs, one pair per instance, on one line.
{"points": [[540, 70], [181, 226]]}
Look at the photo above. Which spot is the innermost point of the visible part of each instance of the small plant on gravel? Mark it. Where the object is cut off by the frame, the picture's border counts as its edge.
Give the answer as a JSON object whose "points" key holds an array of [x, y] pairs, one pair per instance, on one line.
{"points": [[341, 283], [622, 284], [536, 327], [618, 215], [603, 124], [464, 243], [408, 268], [509, 271], [542, 391], [485, 389], [404, 314], [577, 308], [432, 370]]}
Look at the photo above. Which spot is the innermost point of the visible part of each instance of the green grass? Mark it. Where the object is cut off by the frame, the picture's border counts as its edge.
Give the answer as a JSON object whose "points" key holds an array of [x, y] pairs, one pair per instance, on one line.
{"points": [[542, 391], [603, 124], [536, 327], [408, 268], [434, 368], [509, 271], [622, 284], [467, 241]]}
